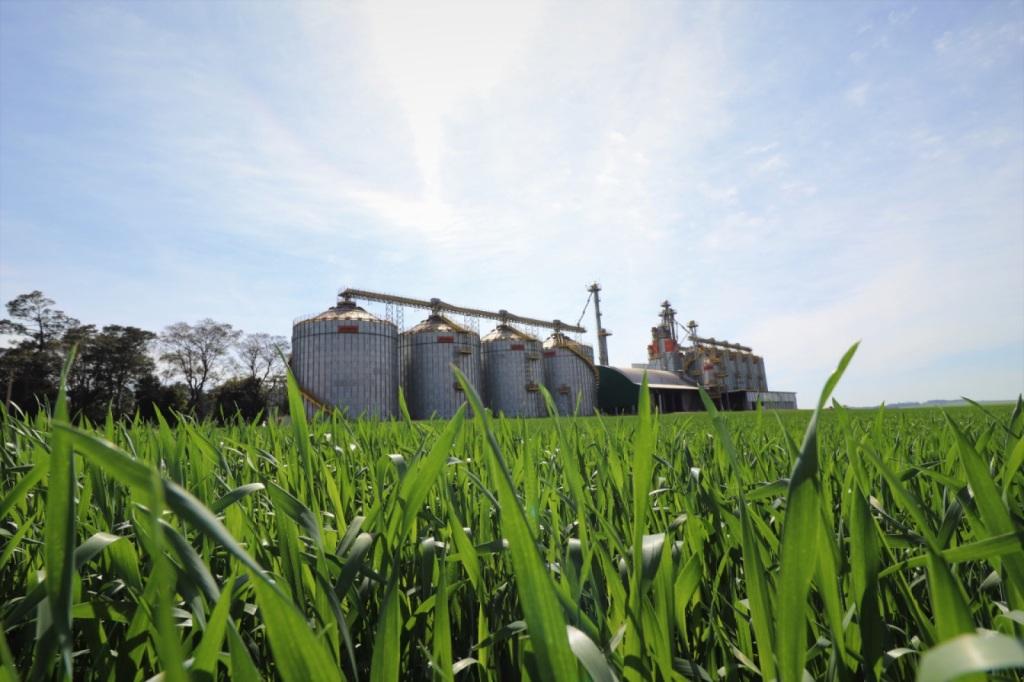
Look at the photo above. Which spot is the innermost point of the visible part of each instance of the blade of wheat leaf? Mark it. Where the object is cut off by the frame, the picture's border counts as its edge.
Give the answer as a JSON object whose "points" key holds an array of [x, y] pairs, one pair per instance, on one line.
{"points": [[60, 528], [799, 545], [544, 617]]}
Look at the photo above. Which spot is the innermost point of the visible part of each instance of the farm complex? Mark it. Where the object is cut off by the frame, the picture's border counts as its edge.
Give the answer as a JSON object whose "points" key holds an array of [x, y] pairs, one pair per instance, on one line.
{"points": [[349, 359]]}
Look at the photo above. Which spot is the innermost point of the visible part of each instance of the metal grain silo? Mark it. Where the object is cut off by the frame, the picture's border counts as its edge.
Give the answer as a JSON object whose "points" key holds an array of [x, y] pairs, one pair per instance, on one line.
{"points": [[348, 359], [432, 347], [513, 372], [570, 374]]}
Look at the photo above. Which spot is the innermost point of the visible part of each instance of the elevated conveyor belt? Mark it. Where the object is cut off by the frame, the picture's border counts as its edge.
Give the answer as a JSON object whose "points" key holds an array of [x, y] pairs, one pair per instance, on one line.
{"points": [[436, 305]]}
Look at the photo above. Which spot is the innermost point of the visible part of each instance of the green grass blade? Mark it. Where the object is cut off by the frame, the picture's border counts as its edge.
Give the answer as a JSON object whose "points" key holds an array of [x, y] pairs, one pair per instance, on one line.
{"points": [[243, 668], [204, 665], [8, 673], [643, 467], [297, 410], [23, 486], [14, 540], [544, 617], [467, 553], [161, 585], [799, 545], [417, 483], [590, 656], [441, 637], [59, 533], [949, 603], [387, 643], [865, 560], [971, 653], [1014, 465], [294, 509], [194, 566], [135, 475], [994, 513], [979, 550], [300, 656], [235, 495], [761, 612]]}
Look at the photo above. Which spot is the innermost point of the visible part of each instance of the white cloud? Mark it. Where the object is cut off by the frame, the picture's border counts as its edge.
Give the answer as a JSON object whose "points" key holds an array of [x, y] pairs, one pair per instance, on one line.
{"points": [[437, 56], [737, 232], [725, 195], [943, 42], [771, 165], [981, 46], [908, 317], [858, 94], [930, 146], [800, 189], [897, 18], [761, 149]]}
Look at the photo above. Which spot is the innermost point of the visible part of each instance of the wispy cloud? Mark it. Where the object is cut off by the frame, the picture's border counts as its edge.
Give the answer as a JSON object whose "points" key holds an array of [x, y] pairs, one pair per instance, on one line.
{"points": [[726, 195], [857, 95], [801, 189], [983, 45], [898, 17], [762, 148], [772, 164]]}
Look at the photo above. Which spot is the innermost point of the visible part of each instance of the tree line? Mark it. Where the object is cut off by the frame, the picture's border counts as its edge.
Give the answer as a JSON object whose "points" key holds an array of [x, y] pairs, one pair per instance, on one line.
{"points": [[206, 369]]}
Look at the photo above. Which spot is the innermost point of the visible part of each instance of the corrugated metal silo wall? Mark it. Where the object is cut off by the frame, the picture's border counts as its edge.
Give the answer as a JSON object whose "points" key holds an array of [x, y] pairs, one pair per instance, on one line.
{"points": [[567, 377], [671, 360], [731, 371], [432, 388], [744, 372], [747, 371], [510, 366], [349, 364], [761, 379], [589, 352], [404, 360]]}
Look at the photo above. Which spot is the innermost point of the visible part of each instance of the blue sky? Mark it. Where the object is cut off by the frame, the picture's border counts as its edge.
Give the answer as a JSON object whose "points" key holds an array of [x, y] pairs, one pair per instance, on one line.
{"points": [[795, 177]]}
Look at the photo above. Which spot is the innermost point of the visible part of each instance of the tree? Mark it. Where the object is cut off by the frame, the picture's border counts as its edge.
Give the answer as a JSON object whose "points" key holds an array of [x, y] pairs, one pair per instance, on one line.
{"points": [[35, 317], [260, 356], [198, 354], [242, 396], [27, 377], [81, 378], [111, 365], [29, 370], [151, 395]]}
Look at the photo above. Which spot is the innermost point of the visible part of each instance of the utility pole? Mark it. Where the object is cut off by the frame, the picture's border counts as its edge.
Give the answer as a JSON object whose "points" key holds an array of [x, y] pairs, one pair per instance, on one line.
{"points": [[602, 333]]}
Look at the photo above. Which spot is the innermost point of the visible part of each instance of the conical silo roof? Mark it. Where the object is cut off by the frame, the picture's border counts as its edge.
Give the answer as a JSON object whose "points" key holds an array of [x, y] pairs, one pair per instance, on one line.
{"points": [[349, 311], [506, 332]]}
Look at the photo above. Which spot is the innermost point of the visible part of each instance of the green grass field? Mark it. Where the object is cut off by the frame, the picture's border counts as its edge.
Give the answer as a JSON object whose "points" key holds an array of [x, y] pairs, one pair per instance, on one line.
{"points": [[857, 545]]}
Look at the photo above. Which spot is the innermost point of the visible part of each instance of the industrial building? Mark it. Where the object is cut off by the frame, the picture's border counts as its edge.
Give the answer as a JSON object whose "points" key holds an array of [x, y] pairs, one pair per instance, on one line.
{"points": [[731, 374], [348, 359], [619, 390]]}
